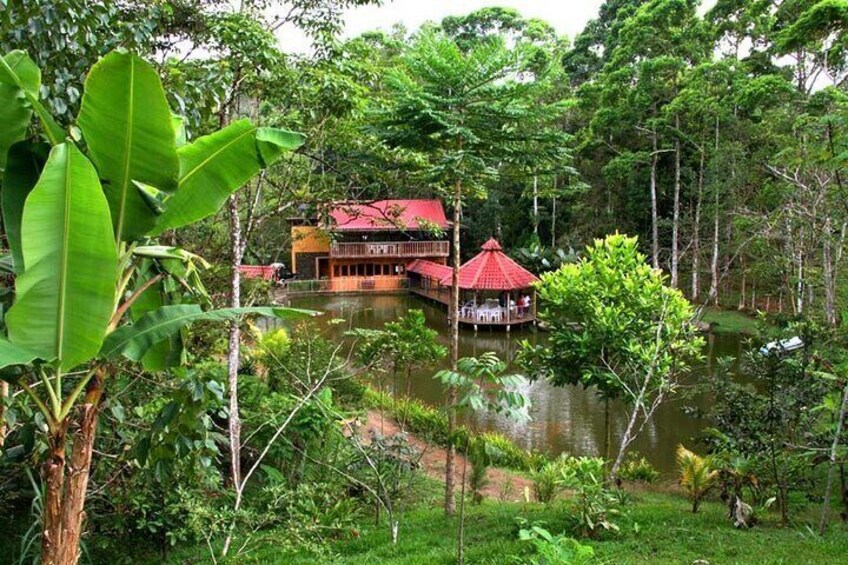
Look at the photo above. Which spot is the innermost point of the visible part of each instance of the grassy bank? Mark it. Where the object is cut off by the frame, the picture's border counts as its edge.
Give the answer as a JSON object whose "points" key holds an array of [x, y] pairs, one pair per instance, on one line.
{"points": [[729, 321], [431, 424], [656, 528]]}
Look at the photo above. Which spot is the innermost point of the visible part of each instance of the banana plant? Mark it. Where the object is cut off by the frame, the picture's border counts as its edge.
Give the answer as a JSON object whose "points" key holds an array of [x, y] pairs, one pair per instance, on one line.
{"points": [[92, 288]]}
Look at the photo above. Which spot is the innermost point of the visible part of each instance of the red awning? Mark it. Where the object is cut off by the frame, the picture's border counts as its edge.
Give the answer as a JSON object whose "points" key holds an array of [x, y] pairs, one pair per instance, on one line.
{"points": [[383, 215], [429, 269], [491, 269]]}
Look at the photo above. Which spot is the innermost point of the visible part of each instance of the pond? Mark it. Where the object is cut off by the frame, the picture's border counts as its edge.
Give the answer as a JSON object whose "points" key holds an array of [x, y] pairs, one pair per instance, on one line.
{"points": [[562, 419]]}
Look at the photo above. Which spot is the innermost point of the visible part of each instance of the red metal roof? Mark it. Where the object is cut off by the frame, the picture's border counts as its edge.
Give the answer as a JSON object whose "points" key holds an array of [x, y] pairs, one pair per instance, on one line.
{"points": [[389, 215], [429, 269], [491, 269]]}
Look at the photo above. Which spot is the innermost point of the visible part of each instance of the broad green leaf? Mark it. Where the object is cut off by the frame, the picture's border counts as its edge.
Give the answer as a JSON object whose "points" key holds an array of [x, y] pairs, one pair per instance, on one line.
{"points": [[18, 70], [23, 169], [65, 296], [11, 354], [215, 166], [169, 351], [15, 115], [178, 123], [133, 341], [126, 122], [273, 142]]}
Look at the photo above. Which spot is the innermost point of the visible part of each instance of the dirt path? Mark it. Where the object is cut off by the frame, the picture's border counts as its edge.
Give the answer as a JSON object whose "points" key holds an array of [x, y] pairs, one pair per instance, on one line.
{"points": [[503, 484]]}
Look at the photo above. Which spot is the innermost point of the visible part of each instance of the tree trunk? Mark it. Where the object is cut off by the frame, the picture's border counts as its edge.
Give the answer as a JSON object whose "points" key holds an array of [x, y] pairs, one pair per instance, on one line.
{"points": [[696, 233], [536, 206], [67, 481], [713, 293], [4, 394], [828, 274], [675, 223], [554, 215], [834, 448], [450, 462], [54, 485], [625, 442], [234, 426], [460, 544], [655, 234]]}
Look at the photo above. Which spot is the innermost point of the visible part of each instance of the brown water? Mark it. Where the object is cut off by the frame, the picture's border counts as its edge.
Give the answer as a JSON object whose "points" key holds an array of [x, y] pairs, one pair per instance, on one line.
{"points": [[562, 419]]}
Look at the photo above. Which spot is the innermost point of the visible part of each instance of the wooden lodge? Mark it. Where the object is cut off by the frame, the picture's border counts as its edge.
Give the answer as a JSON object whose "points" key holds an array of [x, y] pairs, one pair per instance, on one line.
{"points": [[365, 247], [394, 245]]}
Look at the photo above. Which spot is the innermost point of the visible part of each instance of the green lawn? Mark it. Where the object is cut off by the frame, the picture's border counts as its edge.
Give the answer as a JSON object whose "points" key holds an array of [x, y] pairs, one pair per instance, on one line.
{"points": [[658, 528]]}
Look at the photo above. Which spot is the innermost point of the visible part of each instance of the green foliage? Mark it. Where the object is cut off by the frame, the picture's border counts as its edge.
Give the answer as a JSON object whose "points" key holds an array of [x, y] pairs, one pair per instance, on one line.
{"points": [[605, 314], [593, 506], [482, 386], [637, 469], [697, 475], [550, 549], [546, 480], [432, 424]]}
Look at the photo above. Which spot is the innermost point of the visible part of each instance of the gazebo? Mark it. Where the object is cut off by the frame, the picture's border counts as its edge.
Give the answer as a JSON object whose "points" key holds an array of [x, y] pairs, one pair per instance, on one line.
{"points": [[495, 290]]}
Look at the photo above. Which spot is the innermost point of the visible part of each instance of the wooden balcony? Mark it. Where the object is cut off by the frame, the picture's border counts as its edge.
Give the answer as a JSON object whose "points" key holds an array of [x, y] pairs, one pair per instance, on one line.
{"points": [[406, 249]]}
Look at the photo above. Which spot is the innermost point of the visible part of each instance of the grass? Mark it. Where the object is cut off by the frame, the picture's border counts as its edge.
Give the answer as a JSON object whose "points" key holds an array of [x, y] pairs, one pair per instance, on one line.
{"points": [[730, 321], [656, 528]]}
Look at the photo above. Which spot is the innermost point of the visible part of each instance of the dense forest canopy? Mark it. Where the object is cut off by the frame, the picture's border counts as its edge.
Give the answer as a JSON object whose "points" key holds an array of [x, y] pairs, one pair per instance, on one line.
{"points": [[149, 149]]}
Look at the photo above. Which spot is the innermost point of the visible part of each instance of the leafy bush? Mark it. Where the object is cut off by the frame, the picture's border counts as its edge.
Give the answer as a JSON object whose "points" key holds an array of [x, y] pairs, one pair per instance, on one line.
{"points": [[637, 469], [550, 549], [697, 475], [593, 504], [432, 424], [546, 480]]}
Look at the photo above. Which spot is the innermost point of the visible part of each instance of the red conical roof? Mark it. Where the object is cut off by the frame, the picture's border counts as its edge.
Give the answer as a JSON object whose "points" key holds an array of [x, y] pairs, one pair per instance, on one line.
{"points": [[491, 269]]}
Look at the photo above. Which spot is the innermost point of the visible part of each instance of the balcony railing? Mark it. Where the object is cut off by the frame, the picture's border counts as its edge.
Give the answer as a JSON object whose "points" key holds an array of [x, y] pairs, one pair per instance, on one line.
{"points": [[390, 249]]}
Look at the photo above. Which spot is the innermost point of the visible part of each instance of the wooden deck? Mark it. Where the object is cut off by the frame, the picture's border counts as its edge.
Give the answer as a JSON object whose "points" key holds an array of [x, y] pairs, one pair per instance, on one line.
{"points": [[403, 249], [475, 318]]}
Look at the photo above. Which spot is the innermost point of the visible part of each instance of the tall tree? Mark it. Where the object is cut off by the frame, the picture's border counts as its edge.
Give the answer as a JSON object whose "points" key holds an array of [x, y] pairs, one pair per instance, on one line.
{"points": [[464, 110]]}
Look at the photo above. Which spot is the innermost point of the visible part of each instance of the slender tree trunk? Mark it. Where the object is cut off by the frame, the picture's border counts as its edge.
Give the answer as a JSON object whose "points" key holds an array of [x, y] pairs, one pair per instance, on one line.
{"points": [[675, 223], [828, 274], [799, 285], [450, 462], [625, 442], [554, 215], [696, 233], [4, 394], [834, 448], [460, 546], [536, 206], [655, 234], [713, 293], [234, 426]]}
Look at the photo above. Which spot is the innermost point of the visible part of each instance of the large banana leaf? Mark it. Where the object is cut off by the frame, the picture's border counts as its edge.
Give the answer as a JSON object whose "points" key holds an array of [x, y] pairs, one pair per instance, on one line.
{"points": [[169, 351], [216, 165], [22, 171], [66, 294], [127, 125], [19, 71], [134, 341], [11, 354]]}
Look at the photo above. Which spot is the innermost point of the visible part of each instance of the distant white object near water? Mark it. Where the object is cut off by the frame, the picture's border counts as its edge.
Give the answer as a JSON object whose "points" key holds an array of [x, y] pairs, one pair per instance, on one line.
{"points": [[782, 346]]}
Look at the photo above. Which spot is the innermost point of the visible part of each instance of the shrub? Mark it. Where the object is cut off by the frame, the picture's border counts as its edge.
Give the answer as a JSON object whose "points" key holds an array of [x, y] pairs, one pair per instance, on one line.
{"points": [[551, 549], [592, 503], [432, 424], [697, 475], [546, 481], [637, 469]]}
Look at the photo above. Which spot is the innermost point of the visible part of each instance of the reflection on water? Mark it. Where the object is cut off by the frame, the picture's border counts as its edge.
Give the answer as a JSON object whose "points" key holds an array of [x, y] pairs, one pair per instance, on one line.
{"points": [[562, 419]]}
